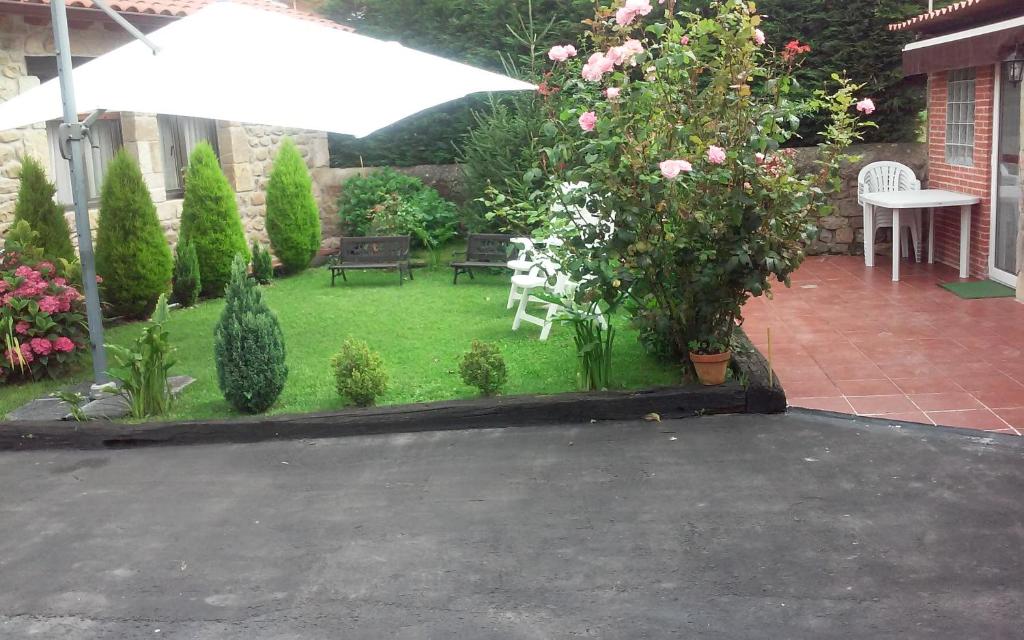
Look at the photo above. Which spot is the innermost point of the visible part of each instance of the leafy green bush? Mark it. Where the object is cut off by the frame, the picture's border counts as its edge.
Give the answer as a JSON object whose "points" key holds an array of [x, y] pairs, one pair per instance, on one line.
{"points": [[262, 264], [35, 205], [132, 254], [359, 373], [142, 370], [387, 202], [248, 345], [187, 281], [210, 221], [293, 219], [484, 368]]}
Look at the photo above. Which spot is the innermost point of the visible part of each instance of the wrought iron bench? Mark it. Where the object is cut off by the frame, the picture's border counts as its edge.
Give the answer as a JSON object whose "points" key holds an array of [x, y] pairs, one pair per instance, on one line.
{"points": [[483, 251], [373, 252]]}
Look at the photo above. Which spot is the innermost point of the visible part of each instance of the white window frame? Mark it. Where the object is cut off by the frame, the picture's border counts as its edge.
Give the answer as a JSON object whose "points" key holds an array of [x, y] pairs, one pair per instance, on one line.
{"points": [[106, 135], [961, 85]]}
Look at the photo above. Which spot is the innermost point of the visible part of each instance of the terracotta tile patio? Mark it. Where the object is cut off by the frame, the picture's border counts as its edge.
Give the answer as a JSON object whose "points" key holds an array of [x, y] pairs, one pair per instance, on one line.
{"points": [[846, 338]]}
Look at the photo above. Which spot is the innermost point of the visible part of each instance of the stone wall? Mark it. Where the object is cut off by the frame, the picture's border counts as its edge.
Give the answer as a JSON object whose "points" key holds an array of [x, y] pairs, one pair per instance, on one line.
{"points": [[842, 232]]}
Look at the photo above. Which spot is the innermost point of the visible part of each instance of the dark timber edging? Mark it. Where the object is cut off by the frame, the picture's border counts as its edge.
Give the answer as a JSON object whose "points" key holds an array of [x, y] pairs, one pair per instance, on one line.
{"points": [[480, 413]]}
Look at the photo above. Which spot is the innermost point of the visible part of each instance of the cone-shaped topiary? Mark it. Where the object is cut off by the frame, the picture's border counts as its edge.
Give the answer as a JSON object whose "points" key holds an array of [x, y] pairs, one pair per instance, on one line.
{"points": [[248, 345], [262, 264], [132, 254], [36, 207], [209, 220], [187, 281], [293, 220]]}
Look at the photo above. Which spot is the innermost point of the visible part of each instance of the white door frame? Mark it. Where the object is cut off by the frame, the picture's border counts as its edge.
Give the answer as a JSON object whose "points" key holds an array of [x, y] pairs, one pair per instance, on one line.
{"points": [[1004, 277]]}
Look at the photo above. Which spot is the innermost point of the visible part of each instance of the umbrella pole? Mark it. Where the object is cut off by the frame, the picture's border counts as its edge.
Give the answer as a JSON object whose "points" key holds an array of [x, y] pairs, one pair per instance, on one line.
{"points": [[73, 134]]}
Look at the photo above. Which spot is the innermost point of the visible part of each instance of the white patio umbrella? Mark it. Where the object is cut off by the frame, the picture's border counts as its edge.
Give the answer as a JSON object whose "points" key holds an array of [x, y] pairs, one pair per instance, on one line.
{"points": [[239, 63]]}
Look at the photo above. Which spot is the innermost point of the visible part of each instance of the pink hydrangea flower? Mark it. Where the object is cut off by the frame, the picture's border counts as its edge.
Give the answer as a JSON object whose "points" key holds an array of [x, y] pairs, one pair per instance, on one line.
{"points": [[612, 92], [866, 106], [41, 346], [561, 53], [12, 355], [49, 304], [45, 267], [716, 155], [588, 121], [672, 168], [22, 327], [758, 37], [25, 271], [64, 344]]}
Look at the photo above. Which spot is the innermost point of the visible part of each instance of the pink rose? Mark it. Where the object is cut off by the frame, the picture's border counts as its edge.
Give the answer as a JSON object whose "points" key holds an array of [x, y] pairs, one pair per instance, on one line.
{"points": [[758, 36], [588, 121], [597, 65], [560, 53], [612, 92], [684, 41], [22, 327], [41, 346], [866, 106], [716, 155], [671, 168], [641, 7], [64, 344], [624, 16], [633, 46]]}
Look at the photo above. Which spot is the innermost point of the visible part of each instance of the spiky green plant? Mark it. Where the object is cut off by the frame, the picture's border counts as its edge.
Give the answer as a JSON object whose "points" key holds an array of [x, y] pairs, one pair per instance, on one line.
{"points": [[187, 279], [262, 264]]}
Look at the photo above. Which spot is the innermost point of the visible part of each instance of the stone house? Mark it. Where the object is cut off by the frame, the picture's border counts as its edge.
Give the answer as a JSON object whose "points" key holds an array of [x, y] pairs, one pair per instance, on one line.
{"points": [[161, 143], [973, 55]]}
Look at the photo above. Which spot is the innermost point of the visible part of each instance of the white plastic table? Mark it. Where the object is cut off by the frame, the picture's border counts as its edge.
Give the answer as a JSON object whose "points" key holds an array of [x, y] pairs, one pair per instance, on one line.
{"points": [[922, 199]]}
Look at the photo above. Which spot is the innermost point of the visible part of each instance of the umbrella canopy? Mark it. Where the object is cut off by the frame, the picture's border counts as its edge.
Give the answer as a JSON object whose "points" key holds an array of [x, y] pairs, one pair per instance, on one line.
{"points": [[239, 63]]}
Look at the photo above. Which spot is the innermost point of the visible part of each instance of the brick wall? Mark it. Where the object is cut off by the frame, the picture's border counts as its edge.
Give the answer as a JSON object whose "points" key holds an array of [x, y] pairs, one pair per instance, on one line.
{"points": [[976, 180]]}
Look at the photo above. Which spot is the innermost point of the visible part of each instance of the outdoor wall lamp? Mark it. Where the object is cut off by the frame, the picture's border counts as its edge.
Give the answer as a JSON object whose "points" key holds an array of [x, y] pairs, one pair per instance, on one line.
{"points": [[1014, 64]]}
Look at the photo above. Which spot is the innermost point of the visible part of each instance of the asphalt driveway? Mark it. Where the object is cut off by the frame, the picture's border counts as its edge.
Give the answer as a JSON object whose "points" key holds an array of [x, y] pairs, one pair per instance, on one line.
{"points": [[766, 527]]}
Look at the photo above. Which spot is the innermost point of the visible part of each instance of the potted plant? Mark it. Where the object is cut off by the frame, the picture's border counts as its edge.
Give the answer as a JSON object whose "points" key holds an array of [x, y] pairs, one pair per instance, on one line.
{"points": [[710, 358]]}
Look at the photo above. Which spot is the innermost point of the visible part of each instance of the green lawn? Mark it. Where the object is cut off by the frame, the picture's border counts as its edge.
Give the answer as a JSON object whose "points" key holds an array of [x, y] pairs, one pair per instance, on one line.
{"points": [[420, 329]]}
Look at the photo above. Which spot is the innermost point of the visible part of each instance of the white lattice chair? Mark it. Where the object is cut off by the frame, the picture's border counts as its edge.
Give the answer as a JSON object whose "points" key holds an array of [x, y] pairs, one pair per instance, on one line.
{"points": [[547, 276], [882, 177], [530, 253]]}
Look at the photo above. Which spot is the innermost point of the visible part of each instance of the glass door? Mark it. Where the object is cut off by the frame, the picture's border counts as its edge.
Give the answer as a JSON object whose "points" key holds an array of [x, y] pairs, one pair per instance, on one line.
{"points": [[1007, 180]]}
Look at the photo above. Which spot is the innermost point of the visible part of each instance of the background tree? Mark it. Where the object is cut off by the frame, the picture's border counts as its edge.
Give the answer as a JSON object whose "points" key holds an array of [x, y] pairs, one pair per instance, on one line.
{"points": [[293, 219], [187, 281], [36, 207], [132, 254], [209, 220]]}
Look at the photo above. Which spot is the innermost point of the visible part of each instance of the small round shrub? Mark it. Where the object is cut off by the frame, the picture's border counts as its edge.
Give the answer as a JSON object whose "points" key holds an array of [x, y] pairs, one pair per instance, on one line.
{"points": [[210, 221], [262, 264], [293, 219], [484, 368], [248, 345], [132, 254], [36, 207], [359, 373], [187, 282]]}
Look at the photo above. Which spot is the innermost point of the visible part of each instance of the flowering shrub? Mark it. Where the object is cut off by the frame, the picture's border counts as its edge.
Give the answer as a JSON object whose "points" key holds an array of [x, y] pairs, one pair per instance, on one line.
{"points": [[675, 122], [40, 314]]}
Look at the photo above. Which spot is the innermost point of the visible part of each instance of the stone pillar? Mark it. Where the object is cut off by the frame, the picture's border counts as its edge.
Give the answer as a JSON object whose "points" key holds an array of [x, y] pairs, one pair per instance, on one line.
{"points": [[140, 135]]}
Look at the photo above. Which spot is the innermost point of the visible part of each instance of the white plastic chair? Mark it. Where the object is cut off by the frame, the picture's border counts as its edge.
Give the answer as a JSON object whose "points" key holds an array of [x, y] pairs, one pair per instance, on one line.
{"points": [[882, 177], [547, 276], [530, 253]]}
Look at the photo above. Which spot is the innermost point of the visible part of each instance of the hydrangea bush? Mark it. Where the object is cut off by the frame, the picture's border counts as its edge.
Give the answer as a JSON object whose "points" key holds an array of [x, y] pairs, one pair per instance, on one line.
{"points": [[675, 120], [41, 316]]}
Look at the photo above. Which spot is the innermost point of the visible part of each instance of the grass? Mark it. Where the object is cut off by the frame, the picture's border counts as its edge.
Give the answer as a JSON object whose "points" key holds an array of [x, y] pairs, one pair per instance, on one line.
{"points": [[421, 329]]}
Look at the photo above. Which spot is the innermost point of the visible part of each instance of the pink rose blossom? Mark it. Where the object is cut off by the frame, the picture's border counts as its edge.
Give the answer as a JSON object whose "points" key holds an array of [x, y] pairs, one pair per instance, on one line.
{"points": [[41, 346], [685, 40], [633, 46], [612, 92], [64, 344], [597, 65], [615, 55], [716, 155], [22, 327], [866, 106], [49, 304], [758, 36], [642, 7], [624, 16], [588, 121], [671, 168], [561, 53]]}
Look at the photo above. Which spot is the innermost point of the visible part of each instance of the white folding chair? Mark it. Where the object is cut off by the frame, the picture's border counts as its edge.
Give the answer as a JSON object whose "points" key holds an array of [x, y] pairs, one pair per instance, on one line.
{"points": [[547, 276], [885, 176]]}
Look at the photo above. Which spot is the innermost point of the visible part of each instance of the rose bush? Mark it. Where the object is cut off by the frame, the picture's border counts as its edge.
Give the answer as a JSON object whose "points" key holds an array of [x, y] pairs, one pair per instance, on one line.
{"points": [[41, 314], [675, 122]]}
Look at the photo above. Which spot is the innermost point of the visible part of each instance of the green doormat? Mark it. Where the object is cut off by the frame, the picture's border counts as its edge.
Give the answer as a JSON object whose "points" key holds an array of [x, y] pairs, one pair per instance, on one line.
{"points": [[979, 289]]}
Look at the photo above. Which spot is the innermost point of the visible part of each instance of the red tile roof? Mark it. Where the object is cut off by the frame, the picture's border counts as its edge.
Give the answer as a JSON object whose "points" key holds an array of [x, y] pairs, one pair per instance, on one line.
{"points": [[182, 8], [961, 14]]}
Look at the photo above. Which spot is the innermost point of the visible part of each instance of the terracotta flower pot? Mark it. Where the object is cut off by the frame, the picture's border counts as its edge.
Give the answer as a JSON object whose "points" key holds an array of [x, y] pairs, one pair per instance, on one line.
{"points": [[711, 368]]}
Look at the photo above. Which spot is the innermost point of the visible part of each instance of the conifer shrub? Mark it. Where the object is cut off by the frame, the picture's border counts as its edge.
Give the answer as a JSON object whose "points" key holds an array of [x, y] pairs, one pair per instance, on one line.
{"points": [[359, 373], [262, 264], [132, 254], [35, 206], [187, 280], [209, 220], [484, 368], [248, 345], [293, 219]]}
